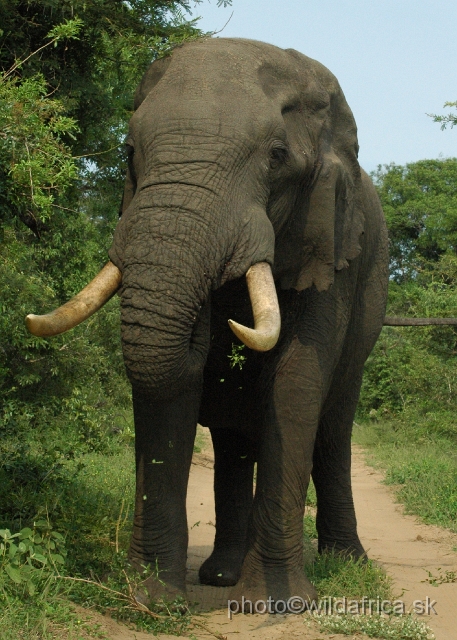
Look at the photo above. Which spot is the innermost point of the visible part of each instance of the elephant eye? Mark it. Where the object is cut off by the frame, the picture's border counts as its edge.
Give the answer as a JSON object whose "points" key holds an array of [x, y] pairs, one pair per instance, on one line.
{"points": [[278, 156]]}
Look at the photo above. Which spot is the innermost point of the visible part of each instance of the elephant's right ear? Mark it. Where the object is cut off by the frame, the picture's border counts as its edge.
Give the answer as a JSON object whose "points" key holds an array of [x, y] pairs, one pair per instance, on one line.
{"points": [[332, 219]]}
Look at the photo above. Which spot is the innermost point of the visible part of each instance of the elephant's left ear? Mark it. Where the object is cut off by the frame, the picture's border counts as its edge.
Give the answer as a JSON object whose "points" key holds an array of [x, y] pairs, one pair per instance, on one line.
{"points": [[333, 220]]}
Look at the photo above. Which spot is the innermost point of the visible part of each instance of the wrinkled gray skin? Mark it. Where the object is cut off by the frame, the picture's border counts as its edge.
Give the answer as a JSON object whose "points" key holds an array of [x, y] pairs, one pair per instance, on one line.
{"points": [[240, 152]]}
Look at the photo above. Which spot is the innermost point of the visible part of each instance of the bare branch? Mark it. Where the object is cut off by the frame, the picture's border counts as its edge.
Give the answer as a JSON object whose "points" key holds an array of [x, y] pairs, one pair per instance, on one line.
{"points": [[390, 321]]}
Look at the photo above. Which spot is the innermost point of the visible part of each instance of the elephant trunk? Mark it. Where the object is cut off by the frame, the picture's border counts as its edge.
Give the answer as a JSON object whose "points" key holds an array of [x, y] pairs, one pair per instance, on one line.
{"points": [[165, 334], [165, 292], [164, 322]]}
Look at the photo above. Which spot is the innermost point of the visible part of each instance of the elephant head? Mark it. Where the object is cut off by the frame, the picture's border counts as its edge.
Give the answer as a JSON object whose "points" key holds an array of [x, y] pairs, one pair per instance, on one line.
{"points": [[240, 156]]}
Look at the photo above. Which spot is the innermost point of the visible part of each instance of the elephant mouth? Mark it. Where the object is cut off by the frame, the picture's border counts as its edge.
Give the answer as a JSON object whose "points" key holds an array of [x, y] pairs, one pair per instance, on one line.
{"points": [[262, 293]]}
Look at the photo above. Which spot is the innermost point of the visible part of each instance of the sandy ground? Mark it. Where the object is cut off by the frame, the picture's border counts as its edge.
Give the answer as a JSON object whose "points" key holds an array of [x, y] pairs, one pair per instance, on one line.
{"points": [[405, 547]]}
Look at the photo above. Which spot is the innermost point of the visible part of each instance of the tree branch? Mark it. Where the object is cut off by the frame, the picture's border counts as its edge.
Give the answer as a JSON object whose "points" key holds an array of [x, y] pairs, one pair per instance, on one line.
{"points": [[390, 321]]}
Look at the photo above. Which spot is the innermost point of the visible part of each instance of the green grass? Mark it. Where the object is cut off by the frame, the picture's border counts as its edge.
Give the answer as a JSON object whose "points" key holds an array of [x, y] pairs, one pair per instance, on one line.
{"points": [[202, 439], [374, 626], [336, 577], [420, 464], [88, 500], [340, 577]]}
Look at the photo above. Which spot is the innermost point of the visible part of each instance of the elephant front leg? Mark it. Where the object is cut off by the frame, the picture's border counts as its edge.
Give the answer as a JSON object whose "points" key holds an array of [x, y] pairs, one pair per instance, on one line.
{"points": [[336, 521], [165, 433], [273, 568], [233, 491]]}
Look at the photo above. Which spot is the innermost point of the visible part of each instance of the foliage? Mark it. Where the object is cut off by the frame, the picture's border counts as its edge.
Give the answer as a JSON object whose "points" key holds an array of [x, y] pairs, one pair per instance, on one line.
{"points": [[450, 118], [90, 500], [392, 628], [418, 456], [98, 73], [30, 556], [64, 64], [66, 91], [36, 163], [236, 357], [408, 400], [420, 203], [411, 372]]}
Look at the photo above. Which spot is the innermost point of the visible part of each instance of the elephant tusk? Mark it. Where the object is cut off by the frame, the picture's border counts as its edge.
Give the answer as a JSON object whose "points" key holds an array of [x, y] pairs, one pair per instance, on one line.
{"points": [[265, 309], [82, 306]]}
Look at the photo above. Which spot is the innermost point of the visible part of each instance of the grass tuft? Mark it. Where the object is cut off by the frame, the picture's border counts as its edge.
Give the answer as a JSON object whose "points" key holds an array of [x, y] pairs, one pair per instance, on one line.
{"points": [[422, 469]]}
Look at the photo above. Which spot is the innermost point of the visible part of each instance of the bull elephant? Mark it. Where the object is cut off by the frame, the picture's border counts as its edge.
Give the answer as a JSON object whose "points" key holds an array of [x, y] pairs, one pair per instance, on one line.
{"points": [[243, 200]]}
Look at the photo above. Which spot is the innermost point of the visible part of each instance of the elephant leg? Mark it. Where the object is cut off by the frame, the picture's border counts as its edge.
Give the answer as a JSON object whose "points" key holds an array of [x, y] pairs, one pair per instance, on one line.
{"points": [[165, 433], [273, 567], [336, 522], [233, 491]]}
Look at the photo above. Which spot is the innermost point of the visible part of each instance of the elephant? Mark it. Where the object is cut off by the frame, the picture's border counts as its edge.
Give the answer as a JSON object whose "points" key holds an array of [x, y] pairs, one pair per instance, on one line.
{"points": [[243, 199]]}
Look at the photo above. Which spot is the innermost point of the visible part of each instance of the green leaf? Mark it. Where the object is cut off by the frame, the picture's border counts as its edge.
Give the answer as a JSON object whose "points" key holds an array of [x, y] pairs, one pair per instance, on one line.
{"points": [[57, 535], [13, 573], [67, 29], [40, 558], [57, 558]]}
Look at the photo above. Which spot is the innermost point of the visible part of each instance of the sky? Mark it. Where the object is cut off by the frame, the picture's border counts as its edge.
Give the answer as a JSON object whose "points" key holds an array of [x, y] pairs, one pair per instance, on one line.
{"points": [[396, 61]]}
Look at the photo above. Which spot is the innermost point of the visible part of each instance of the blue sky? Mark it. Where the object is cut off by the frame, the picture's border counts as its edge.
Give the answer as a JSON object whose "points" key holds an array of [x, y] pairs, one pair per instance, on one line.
{"points": [[396, 61]]}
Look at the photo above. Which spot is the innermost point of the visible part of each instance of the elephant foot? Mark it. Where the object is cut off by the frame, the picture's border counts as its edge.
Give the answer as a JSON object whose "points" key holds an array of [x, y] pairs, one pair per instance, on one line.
{"points": [[158, 586], [222, 568], [350, 549], [271, 589]]}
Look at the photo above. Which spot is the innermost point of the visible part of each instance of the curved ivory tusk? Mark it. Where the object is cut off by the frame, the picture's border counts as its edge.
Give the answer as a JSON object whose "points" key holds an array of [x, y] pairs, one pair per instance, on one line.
{"points": [[265, 309], [82, 306]]}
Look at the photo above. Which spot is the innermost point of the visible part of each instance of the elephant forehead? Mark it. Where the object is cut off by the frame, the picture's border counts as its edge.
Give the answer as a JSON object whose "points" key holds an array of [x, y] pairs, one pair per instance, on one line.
{"points": [[237, 65], [295, 86]]}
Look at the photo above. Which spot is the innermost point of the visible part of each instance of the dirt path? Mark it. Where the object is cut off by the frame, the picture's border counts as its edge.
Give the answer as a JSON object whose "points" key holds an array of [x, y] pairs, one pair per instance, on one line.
{"points": [[403, 546], [406, 548]]}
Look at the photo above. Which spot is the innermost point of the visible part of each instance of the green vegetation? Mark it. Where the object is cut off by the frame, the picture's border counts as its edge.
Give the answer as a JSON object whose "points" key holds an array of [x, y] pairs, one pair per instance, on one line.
{"points": [[69, 70], [408, 404], [358, 582], [61, 186], [401, 628], [81, 538], [336, 576], [444, 120], [66, 429]]}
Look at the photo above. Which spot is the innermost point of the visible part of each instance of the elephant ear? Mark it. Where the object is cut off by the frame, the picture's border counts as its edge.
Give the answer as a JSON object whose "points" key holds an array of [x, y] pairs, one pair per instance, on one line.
{"points": [[149, 80], [332, 216]]}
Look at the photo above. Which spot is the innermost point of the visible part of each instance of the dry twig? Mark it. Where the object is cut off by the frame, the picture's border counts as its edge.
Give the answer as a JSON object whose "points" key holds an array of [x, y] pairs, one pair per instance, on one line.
{"points": [[138, 606]]}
